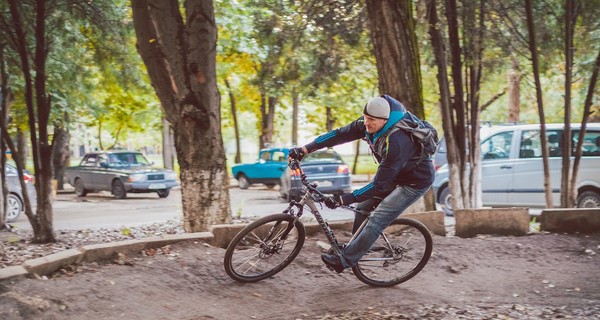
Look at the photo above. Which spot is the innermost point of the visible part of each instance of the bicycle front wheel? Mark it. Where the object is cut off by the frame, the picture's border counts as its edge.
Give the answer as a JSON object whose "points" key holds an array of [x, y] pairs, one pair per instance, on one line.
{"points": [[398, 254], [264, 248]]}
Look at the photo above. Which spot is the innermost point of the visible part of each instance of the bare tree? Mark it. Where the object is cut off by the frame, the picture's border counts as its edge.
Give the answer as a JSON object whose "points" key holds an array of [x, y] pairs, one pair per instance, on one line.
{"points": [[33, 53], [180, 55], [540, 103], [238, 153], [586, 116], [452, 148], [168, 145], [460, 106]]}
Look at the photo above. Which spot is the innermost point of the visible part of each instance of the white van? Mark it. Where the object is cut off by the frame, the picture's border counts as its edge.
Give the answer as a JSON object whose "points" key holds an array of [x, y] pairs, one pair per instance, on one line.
{"points": [[513, 172]]}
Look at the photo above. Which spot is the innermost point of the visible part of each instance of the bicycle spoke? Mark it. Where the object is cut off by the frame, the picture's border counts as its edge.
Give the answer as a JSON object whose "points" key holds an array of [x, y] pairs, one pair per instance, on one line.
{"points": [[397, 256], [259, 250]]}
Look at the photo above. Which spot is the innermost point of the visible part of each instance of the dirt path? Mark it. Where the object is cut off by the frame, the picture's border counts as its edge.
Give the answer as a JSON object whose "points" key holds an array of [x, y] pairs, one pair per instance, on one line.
{"points": [[533, 277]]}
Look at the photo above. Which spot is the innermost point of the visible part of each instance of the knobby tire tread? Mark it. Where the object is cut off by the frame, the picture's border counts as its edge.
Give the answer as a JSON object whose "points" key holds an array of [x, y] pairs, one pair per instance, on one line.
{"points": [[252, 226], [428, 249]]}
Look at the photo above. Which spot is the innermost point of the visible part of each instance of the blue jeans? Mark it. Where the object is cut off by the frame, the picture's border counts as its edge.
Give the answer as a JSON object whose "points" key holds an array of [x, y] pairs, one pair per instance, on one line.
{"points": [[386, 212]]}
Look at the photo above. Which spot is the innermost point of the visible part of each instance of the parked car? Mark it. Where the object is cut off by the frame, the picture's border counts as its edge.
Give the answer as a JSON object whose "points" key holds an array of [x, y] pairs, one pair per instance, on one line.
{"points": [[326, 168], [119, 172], [513, 172], [16, 204], [267, 169], [440, 158]]}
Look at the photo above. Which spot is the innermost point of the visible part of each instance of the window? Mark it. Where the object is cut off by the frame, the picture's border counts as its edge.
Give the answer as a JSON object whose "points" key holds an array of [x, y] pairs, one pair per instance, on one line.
{"points": [[279, 156], [591, 143], [531, 146], [265, 156], [90, 161], [497, 146]]}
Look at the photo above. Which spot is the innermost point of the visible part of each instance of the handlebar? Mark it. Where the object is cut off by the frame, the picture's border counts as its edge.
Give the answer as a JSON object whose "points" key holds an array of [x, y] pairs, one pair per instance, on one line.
{"points": [[295, 166], [318, 196]]}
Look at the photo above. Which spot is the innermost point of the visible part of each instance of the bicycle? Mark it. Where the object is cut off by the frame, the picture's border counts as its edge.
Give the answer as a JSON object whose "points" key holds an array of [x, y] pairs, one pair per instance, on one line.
{"points": [[269, 244]]}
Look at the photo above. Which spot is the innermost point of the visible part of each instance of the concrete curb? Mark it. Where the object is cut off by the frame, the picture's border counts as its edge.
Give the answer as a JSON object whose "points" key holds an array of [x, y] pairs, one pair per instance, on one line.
{"points": [[97, 252], [584, 220]]}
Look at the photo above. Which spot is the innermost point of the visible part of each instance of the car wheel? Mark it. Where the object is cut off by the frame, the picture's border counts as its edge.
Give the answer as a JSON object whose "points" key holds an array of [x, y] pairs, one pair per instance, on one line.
{"points": [[445, 200], [163, 193], [118, 189], [79, 189], [243, 182], [588, 199], [14, 209]]}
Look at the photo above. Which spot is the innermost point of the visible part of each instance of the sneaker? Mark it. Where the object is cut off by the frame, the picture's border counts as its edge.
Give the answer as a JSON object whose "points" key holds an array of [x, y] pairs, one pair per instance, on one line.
{"points": [[333, 262]]}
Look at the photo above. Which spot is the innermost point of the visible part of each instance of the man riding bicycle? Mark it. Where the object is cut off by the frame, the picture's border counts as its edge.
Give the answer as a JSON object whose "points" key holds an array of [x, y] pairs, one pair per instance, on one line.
{"points": [[401, 178]]}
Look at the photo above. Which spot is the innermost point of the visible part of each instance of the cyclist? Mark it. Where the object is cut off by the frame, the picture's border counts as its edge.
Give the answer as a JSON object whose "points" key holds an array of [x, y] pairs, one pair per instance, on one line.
{"points": [[401, 176]]}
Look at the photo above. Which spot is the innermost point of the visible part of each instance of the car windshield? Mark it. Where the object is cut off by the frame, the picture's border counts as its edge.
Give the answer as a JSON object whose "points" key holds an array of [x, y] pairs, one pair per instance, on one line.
{"points": [[323, 156], [127, 160]]}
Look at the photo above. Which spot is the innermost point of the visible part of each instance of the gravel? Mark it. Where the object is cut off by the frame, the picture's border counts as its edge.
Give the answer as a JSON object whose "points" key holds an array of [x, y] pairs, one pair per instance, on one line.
{"points": [[16, 246]]}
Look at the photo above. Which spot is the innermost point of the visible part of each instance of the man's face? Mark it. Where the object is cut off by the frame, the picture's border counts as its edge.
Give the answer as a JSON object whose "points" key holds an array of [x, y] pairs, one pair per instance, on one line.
{"points": [[374, 124]]}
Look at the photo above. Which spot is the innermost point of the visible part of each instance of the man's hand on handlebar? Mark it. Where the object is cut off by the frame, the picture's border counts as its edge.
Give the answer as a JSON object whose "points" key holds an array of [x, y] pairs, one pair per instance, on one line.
{"points": [[297, 153], [332, 202]]}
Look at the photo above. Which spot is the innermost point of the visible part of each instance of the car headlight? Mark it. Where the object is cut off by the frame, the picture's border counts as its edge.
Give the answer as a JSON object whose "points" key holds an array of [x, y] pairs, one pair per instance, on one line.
{"points": [[137, 177], [170, 175]]}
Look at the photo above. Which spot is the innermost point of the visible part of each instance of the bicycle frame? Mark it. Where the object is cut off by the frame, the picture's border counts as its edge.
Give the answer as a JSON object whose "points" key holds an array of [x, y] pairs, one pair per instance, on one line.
{"points": [[309, 201]]}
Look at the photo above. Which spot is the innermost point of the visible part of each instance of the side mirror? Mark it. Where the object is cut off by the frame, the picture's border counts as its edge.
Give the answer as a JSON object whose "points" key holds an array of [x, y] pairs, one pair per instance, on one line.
{"points": [[104, 164]]}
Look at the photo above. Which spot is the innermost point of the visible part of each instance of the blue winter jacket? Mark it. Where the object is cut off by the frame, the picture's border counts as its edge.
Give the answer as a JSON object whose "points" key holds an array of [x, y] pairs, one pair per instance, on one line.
{"points": [[396, 163]]}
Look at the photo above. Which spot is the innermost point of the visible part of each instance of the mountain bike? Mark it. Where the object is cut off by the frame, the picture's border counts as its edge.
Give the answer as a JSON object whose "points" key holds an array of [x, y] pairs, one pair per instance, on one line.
{"points": [[269, 244]]}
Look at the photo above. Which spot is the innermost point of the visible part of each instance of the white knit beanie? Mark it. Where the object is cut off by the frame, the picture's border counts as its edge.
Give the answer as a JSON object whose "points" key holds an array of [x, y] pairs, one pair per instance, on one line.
{"points": [[377, 108]]}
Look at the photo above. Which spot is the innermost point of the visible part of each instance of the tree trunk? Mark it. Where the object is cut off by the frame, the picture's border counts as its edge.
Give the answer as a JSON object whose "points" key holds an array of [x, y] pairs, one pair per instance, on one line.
{"points": [[458, 105], [329, 119], [473, 24], [180, 58], [445, 105], [565, 184], [586, 114], [540, 104], [5, 99], [270, 128], [262, 139], [397, 54], [33, 66], [356, 154], [238, 153], [514, 97], [295, 99], [21, 147], [168, 143], [396, 51], [61, 156]]}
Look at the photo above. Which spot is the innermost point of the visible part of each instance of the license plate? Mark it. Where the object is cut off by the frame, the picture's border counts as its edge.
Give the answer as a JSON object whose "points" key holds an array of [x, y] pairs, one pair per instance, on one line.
{"points": [[324, 183], [157, 186]]}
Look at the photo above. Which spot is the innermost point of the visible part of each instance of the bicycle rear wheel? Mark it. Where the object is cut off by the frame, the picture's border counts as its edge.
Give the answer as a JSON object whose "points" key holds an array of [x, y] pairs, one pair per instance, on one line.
{"points": [[264, 248], [398, 254]]}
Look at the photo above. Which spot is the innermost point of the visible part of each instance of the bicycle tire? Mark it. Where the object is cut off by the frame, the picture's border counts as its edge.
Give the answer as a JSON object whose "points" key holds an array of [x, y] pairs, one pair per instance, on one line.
{"points": [[252, 254], [411, 249]]}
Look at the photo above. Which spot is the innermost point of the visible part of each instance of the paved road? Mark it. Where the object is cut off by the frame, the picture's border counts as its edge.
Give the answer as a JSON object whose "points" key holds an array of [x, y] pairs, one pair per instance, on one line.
{"points": [[100, 210]]}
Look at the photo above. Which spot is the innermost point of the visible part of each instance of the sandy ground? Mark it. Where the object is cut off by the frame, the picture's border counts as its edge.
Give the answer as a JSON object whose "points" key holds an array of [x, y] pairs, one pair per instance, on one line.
{"points": [[540, 276]]}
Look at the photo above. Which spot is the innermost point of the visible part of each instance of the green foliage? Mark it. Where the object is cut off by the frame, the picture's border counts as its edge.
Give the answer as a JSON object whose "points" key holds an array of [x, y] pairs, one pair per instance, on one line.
{"points": [[321, 50], [93, 70]]}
